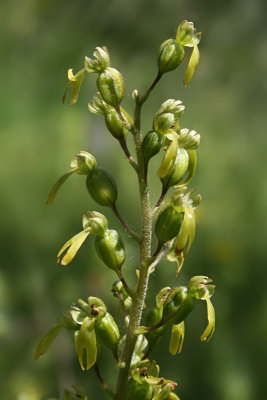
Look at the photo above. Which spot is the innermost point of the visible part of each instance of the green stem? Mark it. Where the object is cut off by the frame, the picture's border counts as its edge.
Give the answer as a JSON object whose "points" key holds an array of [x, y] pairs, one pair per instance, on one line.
{"points": [[102, 382], [149, 90], [145, 252], [128, 154], [130, 232]]}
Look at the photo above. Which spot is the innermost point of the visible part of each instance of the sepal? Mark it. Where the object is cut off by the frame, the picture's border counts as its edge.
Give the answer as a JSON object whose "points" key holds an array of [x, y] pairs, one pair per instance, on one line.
{"points": [[189, 140], [101, 61], [185, 32], [167, 116], [96, 221], [170, 55], [47, 340]]}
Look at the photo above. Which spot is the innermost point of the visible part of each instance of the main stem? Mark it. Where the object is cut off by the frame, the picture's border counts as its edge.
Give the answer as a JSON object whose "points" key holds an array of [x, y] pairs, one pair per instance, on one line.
{"points": [[145, 253]]}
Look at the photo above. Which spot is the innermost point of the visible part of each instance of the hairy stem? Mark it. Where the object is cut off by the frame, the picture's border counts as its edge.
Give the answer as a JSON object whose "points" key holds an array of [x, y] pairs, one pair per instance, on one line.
{"points": [[145, 252]]}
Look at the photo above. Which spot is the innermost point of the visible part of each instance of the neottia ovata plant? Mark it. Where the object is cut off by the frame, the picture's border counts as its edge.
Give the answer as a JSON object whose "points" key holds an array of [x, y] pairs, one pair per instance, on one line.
{"points": [[172, 218]]}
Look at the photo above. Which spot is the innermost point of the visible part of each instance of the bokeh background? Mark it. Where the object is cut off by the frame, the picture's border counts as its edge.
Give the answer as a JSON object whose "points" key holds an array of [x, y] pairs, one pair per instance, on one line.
{"points": [[226, 103]]}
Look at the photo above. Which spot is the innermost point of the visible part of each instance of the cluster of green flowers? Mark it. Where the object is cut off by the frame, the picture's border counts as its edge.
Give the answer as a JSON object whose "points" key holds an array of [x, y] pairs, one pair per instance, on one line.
{"points": [[175, 223]]}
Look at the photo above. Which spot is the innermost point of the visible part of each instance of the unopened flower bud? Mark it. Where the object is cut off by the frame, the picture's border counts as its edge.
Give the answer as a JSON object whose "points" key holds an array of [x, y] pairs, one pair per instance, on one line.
{"points": [[73, 318], [189, 140], [173, 106], [97, 105], [185, 32], [102, 187], [170, 55], [96, 221], [111, 86], [168, 224], [84, 163], [151, 145], [163, 122], [101, 61], [135, 94], [110, 249]]}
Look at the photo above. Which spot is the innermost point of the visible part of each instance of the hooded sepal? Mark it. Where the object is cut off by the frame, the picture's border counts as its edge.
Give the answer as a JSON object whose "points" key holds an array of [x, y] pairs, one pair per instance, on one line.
{"points": [[100, 62]]}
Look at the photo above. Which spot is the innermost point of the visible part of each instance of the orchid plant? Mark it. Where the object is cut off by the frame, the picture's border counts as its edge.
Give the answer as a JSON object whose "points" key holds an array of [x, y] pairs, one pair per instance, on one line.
{"points": [[172, 218]]}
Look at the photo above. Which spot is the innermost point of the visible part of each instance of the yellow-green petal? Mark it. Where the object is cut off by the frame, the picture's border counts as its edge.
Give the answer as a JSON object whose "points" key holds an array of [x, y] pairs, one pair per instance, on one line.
{"points": [[85, 344], [169, 159], [75, 82], [192, 65], [55, 188], [47, 340], [177, 338], [73, 246], [208, 332], [187, 232], [191, 168]]}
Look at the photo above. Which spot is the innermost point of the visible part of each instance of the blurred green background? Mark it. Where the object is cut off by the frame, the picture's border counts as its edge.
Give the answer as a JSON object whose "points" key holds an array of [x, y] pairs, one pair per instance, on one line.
{"points": [[226, 103]]}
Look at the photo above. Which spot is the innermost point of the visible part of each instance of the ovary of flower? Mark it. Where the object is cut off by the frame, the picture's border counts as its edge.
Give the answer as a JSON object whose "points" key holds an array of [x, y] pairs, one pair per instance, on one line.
{"points": [[73, 246]]}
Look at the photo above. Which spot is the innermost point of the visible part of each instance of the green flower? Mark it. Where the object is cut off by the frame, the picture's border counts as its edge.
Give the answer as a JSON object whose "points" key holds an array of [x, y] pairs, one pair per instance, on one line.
{"points": [[187, 204], [93, 222], [83, 164]]}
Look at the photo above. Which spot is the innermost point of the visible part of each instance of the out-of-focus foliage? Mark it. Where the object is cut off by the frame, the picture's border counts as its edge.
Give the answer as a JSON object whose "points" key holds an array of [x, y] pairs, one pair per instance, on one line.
{"points": [[39, 40]]}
